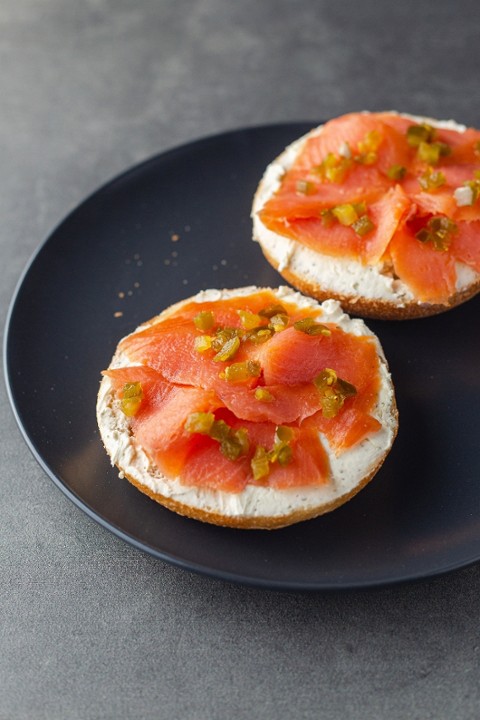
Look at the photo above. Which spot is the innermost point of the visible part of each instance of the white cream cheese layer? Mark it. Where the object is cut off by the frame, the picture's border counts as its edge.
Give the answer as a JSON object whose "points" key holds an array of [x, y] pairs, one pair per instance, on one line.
{"points": [[348, 469], [340, 276]]}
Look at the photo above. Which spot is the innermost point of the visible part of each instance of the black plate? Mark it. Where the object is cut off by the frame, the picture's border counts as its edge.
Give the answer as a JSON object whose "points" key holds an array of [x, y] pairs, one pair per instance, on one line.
{"points": [[418, 518]]}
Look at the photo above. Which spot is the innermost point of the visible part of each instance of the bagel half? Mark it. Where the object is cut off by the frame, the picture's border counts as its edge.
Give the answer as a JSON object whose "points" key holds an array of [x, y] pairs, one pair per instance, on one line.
{"points": [[370, 290], [255, 506]]}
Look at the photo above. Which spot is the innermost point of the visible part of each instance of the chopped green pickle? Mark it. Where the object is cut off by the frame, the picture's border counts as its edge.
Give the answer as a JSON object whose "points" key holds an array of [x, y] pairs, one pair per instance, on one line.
{"points": [[333, 168], [423, 235], [131, 390], [328, 218], [219, 430], [474, 186], [305, 187], [232, 447], [310, 327], [132, 396], [345, 388], [371, 142], [417, 134], [205, 320], [331, 403], [396, 172], [228, 351], [259, 335], [431, 179], [284, 433], [248, 319], [260, 463], [263, 394], [432, 152], [285, 455], [325, 379], [222, 335], [363, 225], [239, 372], [200, 422], [345, 214], [278, 322], [438, 230], [333, 391], [360, 208], [130, 406], [203, 343], [271, 310]]}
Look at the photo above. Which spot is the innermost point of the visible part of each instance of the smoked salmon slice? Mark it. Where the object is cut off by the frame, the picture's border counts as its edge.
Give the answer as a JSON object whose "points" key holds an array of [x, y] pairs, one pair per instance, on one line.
{"points": [[212, 422], [357, 182]]}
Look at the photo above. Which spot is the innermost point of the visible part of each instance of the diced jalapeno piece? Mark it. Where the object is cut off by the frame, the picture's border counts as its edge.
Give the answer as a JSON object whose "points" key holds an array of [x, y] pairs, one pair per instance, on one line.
{"points": [[417, 134], [264, 395], [204, 320], [345, 214], [396, 172], [363, 225], [242, 371], [203, 343], [260, 464], [248, 319], [200, 422], [310, 327]]}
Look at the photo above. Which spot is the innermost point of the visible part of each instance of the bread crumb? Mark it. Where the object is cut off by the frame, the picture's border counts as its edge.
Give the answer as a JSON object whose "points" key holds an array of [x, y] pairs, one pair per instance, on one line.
{"points": [[118, 314], [175, 237], [121, 295]]}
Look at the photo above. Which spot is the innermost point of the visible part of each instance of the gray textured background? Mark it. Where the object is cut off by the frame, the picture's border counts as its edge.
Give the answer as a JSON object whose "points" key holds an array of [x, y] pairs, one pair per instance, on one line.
{"points": [[89, 627]]}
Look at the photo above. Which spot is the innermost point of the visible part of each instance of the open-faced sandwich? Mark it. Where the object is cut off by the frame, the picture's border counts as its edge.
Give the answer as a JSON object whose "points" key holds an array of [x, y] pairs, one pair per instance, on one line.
{"points": [[378, 210], [250, 408]]}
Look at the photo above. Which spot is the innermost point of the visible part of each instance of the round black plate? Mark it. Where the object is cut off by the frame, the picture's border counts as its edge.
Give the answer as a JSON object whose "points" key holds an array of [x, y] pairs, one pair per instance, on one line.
{"points": [[162, 231]]}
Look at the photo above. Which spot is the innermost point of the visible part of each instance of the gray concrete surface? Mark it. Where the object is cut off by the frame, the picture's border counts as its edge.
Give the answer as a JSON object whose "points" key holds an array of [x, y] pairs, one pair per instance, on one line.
{"points": [[89, 627]]}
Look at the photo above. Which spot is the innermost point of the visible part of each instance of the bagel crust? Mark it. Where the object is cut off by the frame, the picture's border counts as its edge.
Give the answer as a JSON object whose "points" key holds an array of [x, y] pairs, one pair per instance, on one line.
{"points": [[370, 291], [256, 507]]}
